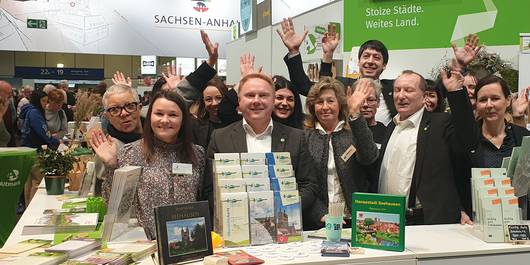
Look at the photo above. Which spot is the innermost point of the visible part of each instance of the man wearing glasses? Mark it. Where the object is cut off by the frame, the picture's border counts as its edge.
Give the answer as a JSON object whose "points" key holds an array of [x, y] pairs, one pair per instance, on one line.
{"points": [[122, 110], [369, 110]]}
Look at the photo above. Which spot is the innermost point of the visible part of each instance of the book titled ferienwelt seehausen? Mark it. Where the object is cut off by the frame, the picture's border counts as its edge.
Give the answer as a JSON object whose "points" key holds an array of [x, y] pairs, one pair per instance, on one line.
{"points": [[379, 221]]}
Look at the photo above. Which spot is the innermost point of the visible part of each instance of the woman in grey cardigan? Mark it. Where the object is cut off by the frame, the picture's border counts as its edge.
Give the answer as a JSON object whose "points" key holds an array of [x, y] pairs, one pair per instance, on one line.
{"points": [[340, 143]]}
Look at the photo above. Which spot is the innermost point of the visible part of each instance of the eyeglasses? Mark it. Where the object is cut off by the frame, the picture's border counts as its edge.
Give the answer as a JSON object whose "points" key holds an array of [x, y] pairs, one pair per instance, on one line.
{"points": [[129, 108]]}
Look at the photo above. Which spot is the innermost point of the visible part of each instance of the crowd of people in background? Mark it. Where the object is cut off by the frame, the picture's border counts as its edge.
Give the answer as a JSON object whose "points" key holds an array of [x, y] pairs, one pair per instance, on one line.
{"points": [[407, 136]]}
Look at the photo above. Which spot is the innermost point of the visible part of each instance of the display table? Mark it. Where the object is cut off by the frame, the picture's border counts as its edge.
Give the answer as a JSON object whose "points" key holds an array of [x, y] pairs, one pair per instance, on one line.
{"points": [[455, 244], [16, 163], [435, 244]]}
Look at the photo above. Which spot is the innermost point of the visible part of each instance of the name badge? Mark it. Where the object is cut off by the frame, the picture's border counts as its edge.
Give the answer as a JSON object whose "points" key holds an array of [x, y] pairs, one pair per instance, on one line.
{"points": [[182, 169], [348, 153]]}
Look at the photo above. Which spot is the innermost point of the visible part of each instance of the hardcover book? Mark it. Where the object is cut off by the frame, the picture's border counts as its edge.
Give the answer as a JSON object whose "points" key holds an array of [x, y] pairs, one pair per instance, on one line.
{"points": [[288, 212], [258, 184], [235, 219], [261, 212], [378, 221], [255, 171], [253, 159], [231, 185], [183, 232]]}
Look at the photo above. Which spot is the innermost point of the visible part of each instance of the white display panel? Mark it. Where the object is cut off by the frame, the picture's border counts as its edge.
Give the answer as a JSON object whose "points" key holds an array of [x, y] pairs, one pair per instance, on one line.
{"points": [[187, 65], [148, 65], [159, 27], [290, 8]]}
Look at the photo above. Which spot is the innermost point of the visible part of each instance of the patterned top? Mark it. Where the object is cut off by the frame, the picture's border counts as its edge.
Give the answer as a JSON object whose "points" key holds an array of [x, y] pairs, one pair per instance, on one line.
{"points": [[157, 186]]}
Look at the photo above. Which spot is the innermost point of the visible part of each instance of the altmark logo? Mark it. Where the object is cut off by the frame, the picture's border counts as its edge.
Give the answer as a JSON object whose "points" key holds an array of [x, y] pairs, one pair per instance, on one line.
{"points": [[13, 175], [200, 6]]}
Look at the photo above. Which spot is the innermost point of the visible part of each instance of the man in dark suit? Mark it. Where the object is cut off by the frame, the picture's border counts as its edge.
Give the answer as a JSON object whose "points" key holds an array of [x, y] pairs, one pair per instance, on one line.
{"points": [[258, 133], [420, 148], [372, 60]]}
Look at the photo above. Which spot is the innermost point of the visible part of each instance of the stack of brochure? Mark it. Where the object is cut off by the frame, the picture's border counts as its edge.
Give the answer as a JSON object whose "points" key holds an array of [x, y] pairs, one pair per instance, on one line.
{"points": [[62, 223], [40, 258], [76, 247], [137, 250], [103, 258]]}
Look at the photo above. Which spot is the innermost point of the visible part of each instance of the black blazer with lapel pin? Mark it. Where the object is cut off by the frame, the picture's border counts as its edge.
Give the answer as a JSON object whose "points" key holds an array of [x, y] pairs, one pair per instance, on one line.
{"points": [[442, 137]]}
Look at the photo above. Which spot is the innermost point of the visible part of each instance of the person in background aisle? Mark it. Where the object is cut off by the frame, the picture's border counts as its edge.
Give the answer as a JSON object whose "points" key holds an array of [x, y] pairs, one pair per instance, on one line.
{"points": [[341, 145], [166, 141], [4, 134], [35, 134], [497, 137], [69, 104], [434, 97], [259, 133], [25, 96], [10, 115], [372, 56], [122, 111], [470, 82], [55, 116], [287, 103], [207, 114]]}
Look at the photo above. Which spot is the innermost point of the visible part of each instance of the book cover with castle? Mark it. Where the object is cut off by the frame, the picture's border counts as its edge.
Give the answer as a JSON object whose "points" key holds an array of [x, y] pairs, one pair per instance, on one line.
{"points": [[378, 221], [183, 232], [288, 216]]}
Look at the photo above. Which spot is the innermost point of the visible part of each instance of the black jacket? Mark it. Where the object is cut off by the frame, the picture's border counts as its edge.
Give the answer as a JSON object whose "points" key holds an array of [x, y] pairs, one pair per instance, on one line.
{"points": [[441, 139]]}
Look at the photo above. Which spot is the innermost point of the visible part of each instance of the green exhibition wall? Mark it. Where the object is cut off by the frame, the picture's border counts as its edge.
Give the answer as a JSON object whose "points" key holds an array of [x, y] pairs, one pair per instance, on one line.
{"points": [[418, 24]]}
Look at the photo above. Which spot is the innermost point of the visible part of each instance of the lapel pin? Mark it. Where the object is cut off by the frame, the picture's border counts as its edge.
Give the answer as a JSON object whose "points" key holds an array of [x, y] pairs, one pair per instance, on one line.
{"points": [[426, 128], [282, 140]]}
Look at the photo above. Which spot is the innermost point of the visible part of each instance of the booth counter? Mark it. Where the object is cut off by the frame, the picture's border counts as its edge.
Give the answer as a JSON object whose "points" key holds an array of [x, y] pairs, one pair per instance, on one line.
{"points": [[433, 245]]}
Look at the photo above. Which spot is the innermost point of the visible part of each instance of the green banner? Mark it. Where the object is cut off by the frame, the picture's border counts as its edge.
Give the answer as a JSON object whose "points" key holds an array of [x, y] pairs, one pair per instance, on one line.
{"points": [[418, 24], [16, 166]]}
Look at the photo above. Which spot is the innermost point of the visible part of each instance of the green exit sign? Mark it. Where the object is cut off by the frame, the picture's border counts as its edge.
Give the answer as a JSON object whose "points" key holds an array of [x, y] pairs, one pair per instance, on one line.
{"points": [[37, 23]]}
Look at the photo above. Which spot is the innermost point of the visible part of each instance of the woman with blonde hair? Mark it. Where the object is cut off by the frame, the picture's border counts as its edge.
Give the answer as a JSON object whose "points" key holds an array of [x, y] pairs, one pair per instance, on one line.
{"points": [[341, 144]]}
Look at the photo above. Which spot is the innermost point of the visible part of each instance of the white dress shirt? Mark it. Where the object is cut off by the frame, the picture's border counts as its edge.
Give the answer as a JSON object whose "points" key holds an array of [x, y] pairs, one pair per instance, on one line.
{"points": [[400, 156], [334, 188], [258, 143]]}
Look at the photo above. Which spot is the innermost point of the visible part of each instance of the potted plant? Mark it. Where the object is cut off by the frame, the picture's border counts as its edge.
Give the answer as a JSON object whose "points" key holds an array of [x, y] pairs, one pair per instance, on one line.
{"points": [[55, 166]]}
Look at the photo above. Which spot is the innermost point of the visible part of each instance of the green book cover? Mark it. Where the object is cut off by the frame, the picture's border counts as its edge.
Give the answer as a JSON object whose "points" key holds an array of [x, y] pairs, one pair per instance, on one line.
{"points": [[378, 221]]}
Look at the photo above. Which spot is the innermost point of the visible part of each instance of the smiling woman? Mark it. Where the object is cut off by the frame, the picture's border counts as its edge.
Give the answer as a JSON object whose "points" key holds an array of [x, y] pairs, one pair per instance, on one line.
{"points": [[498, 136], [166, 142]]}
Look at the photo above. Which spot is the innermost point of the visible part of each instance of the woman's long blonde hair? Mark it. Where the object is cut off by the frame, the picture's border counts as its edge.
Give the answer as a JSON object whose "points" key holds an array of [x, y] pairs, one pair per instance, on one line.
{"points": [[314, 93]]}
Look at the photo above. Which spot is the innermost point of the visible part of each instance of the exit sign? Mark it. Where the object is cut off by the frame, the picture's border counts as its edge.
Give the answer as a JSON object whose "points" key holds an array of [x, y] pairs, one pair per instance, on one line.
{"points": [[37, 23]]}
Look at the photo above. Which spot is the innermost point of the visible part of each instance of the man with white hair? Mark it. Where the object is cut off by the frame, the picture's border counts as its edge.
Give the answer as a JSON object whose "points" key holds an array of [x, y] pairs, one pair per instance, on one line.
{"points": [[122, 110], [69, 103], [10, 116], [25, 92]]}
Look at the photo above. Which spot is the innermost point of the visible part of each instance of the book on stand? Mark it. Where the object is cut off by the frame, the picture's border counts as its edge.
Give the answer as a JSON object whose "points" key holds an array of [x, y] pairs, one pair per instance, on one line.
{"points": [[183, 232], [378, 221], [121, 200]]}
